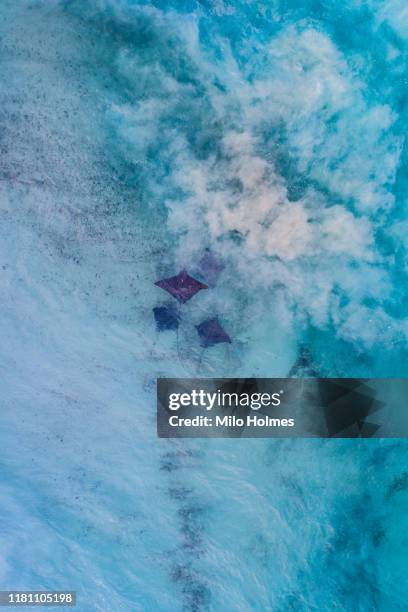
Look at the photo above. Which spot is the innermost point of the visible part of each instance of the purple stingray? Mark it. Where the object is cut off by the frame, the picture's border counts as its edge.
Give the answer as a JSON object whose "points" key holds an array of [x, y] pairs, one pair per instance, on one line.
{"points": [[211, 267], [211, 332], [182, 286]]}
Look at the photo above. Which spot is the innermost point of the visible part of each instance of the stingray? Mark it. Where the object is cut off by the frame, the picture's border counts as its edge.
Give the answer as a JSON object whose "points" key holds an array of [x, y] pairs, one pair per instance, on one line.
{"points": [[183, 286], [211, 267], [211, 332], [166, 317]]}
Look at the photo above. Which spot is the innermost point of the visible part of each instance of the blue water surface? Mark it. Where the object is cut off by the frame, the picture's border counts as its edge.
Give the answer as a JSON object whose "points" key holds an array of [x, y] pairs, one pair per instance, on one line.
{"points": [[136, 138]]}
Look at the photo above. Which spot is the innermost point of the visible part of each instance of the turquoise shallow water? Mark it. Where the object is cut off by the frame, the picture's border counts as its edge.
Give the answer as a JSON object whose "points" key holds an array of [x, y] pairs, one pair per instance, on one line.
{"points": [[134, 136]]}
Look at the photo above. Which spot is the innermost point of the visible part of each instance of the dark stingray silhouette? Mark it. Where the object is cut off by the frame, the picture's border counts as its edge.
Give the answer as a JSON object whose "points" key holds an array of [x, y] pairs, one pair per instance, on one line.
{"points": [[166, 317], [211, 268], [304, 366], [183, 286], [211, 332]]}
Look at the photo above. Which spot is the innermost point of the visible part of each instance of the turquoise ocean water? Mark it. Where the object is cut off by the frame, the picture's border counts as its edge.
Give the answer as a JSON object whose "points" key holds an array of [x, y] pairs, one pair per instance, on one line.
{"points": [[136, 137]]}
